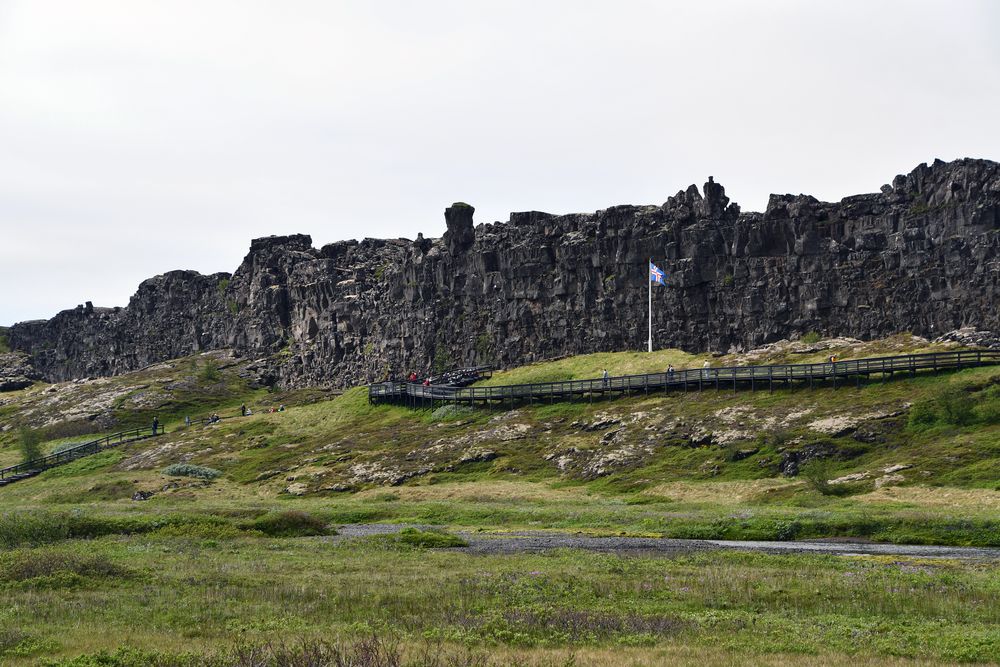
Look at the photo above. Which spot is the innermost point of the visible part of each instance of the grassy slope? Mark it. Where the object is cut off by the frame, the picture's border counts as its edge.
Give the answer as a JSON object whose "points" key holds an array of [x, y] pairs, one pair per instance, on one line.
{"points": [[589, 366], [539, 467], [186, 569], [73, 412]]}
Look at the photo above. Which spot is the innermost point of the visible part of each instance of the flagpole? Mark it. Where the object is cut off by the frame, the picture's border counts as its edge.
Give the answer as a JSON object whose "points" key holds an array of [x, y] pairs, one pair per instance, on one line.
{"points": [[649, 283]]}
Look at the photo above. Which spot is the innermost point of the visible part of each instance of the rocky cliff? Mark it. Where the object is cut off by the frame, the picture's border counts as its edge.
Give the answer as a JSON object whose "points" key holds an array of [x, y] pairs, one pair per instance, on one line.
{"points": [[923, 255]]}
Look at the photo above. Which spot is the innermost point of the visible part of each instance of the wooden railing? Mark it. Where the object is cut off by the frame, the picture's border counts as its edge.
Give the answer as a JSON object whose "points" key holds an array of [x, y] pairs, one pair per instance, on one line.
{"points": [[752, 377], [37, 465]]}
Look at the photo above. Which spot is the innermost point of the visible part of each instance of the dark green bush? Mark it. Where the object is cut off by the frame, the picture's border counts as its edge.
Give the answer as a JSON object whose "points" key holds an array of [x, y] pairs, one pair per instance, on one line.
{"points": [[22, 566], [817, 475], [210, 371], [291, 523], [430, 539], [29, 441], [955, 406], [36, 528]]}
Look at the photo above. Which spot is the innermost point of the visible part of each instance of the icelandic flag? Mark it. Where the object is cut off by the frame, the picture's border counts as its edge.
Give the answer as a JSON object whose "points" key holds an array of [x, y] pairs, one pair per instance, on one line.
{"points": [[656, 274]]}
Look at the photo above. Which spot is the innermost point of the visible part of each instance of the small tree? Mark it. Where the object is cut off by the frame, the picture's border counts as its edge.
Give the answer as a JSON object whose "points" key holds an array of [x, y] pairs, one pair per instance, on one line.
{"points": [[210, 371], [29, 442]]}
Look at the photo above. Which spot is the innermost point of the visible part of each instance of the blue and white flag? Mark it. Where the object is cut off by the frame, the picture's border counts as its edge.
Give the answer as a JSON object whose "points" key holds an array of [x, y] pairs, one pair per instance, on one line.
{"points": [[656, 274]]}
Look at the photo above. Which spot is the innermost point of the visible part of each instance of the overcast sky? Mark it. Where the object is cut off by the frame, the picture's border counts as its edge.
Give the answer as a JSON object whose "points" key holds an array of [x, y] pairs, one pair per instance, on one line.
{"points": [[140, 136]]}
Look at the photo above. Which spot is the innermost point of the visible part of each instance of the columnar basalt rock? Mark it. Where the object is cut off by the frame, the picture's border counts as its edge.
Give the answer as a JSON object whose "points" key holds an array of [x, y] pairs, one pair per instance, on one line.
{"points": [[922, 255]]}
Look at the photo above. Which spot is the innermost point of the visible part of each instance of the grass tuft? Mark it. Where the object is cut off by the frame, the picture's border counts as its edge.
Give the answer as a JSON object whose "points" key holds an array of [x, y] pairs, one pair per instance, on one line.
{"points": [[430, 539]]}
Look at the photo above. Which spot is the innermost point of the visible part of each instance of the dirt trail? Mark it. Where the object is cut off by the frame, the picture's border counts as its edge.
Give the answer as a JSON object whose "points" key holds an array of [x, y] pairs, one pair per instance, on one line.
{"points": [[535, 541]]}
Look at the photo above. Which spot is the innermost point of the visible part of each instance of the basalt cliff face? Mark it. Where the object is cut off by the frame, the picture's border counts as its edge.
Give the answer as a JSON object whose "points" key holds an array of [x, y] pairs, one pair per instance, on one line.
{"points": [[923, 255]]}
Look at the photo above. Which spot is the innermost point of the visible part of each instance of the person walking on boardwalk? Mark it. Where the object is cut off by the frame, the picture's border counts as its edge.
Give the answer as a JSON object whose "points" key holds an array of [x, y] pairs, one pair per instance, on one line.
{"points": [[670, 372], [704, 369], [243, 410], [156, 424], [605, 378]]}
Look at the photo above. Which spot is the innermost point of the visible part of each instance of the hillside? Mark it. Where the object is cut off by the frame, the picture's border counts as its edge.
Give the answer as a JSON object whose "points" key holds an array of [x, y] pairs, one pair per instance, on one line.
{"points": [[910, 459], [336, 530]]}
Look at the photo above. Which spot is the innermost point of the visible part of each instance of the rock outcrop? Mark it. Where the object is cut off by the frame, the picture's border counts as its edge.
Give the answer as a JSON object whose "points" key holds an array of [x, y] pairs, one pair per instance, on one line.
{"points": [[922, 255], [16, 371]]}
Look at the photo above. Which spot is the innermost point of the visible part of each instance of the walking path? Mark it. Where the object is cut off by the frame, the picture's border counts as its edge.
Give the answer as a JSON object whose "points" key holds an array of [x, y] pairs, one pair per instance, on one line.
{"points": [[730, 377]]}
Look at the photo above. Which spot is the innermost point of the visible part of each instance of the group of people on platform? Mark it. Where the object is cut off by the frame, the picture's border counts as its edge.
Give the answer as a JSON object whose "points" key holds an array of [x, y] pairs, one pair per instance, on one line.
{"points": [[412, 377]]}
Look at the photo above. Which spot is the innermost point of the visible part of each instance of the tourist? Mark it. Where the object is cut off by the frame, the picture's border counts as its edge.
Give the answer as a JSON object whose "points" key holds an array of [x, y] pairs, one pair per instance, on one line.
{"points": [[605, 378], [281, 408], [670, 372], [187, 421], [243, 410], [412, 377], [156, 424], [704, 369]]}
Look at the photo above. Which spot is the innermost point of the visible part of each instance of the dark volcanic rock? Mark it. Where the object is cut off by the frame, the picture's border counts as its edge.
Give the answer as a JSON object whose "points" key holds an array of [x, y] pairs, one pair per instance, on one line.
{"points": [[922, 255], [16, 372]]}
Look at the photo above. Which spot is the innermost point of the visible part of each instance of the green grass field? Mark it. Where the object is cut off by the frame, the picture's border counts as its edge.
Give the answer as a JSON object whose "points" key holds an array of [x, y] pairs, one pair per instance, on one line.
{"points": [[213, 569]]}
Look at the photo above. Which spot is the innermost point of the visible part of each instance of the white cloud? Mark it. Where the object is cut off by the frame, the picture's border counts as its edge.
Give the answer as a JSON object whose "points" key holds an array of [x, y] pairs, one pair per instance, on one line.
{"points": [[142, 136]]}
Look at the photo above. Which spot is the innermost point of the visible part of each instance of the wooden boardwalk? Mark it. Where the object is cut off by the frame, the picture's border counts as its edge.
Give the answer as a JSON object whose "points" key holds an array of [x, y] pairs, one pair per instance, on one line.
{"points": [[33, 467], [852, 371]]}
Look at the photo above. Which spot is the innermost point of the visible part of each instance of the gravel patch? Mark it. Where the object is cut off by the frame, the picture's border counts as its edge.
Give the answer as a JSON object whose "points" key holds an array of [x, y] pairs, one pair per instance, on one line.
{"points": [[538, 541]]}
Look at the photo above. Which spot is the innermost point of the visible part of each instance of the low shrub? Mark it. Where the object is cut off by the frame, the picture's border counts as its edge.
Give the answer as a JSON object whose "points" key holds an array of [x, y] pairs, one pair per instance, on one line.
{"points": [[22, 566], [37, 528], [817, 475], [811, 337], [191, 470], [106, 490], [127, 656], [373, 651], [430, 539], [950, 406], [291, 523]]}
